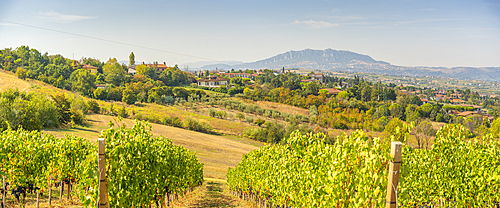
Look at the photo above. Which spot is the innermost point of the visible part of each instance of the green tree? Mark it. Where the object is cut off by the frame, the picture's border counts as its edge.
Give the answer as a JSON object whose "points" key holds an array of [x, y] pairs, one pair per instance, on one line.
{"points": [[21, 73], [397, 130], [114, 72], [147, 71], [236, 81], [311, 88], [495, 128], [128, 96], [115, 93], [93, 106], [275, 83], [180, 92], [131, 59], [381, 123], [83, 82], [396, 111], [366, 93], [100, 94], [391, 94], [343, 95], [63, 108], [178, 77], [426, 110], [155, 94], [411, 113]]}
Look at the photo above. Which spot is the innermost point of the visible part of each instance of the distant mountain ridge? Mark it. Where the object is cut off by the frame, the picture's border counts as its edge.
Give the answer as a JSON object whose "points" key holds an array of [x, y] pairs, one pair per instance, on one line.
{"points": [[322, 58], [339, 60]]}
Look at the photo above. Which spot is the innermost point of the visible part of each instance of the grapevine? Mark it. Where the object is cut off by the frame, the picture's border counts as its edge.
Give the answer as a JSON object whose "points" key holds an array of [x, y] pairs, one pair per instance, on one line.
{"points": [[306, 172], [141, 169]]}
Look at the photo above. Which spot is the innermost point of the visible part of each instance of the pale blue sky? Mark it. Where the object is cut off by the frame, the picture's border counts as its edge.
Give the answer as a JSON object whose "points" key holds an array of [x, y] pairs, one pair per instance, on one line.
{"points": [[409, 33]]}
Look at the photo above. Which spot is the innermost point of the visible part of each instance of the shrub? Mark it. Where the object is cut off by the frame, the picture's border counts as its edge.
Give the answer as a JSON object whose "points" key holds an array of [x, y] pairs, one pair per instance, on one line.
{"points": [[176, 122], [260, 121], [21, 73], [77, 116], [211, 112], [250, 119], [194, 125], [276, 114], [123, 112], [221, 114], [166, 121], [93, 106], [240, 116], [267, 113], [249, 109]]}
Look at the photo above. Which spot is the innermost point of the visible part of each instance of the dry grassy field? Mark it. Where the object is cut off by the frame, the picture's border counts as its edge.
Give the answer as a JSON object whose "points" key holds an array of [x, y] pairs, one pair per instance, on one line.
{"points": [[9, 81], [278, 106]]}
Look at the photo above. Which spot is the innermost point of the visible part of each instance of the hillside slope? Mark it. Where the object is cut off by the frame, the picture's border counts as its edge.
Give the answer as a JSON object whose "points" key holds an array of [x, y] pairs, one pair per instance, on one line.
{"points": [[8, 80]]}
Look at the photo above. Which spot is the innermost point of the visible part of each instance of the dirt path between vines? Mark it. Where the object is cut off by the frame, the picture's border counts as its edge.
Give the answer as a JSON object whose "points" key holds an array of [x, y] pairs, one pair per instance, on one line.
{"points": [[210, 194]]}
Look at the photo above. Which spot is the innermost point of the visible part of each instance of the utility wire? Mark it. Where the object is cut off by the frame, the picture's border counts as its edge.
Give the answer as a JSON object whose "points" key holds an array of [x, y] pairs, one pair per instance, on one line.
{"points": [[106, 40]]}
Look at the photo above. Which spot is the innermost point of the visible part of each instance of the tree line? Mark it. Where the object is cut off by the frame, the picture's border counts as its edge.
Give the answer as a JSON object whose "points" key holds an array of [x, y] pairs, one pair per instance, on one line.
{"points": [[117, 83]]}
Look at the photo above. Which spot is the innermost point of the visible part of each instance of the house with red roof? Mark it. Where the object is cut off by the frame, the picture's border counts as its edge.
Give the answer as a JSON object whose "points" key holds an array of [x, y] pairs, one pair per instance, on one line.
{"points": [[160, 67], [332, 91], [472, 114], [424, 100], [92, 69]]}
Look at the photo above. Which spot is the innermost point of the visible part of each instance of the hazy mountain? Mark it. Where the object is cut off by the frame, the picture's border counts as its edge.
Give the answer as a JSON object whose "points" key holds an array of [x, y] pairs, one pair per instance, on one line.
{"points": [[217, 66], [203, 64], [334, 60], [309, 58]]}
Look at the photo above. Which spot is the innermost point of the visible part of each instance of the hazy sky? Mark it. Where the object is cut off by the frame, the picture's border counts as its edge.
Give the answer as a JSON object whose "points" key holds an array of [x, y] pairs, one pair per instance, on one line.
{"points": [[410, 33]]}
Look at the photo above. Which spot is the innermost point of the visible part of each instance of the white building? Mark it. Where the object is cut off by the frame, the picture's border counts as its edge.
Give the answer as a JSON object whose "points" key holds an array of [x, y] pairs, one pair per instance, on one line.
{"points": [[213, 81]]}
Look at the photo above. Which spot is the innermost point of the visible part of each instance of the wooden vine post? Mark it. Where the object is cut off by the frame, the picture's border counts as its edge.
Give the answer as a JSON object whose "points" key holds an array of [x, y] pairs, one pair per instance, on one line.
{"points": [[4, 191], [61, 182], [394, 172], [50, 191], [38, 198], [69, 189], [102, 203]]}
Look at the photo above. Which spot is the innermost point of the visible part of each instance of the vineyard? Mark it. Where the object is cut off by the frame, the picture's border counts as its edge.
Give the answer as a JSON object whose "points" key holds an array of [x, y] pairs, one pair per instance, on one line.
{"points": [[353, 172], [136, 162]]}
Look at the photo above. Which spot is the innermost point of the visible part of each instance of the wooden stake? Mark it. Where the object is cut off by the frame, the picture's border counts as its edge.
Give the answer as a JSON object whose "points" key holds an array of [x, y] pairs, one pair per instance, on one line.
{"points": [[38, 198], [4, 188], [69, 189], [167, 199], [102, 203], [393, 179], [61, 192], [50, 191]]}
